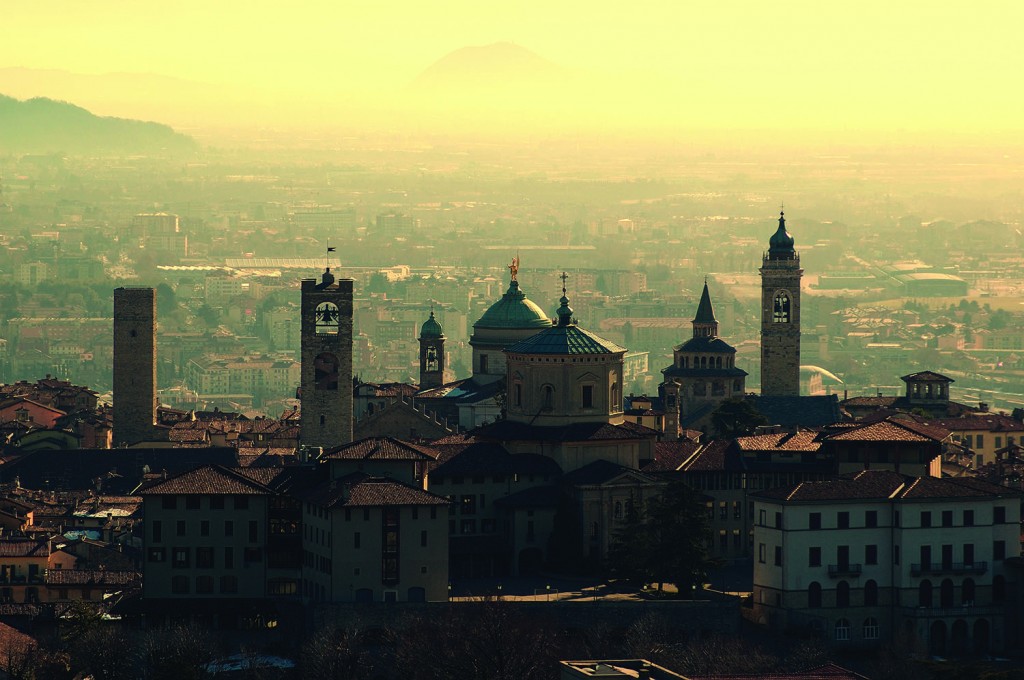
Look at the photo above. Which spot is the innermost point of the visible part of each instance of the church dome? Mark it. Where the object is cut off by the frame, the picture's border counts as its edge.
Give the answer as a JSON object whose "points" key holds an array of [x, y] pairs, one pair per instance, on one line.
{"points": [[514, 311], [431, 328], [781, 241]]}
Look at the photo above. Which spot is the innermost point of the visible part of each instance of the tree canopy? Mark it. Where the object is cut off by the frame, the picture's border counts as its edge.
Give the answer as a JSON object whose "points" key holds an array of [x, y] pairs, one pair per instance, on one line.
{"points": [[735, 418], [664, 542]]}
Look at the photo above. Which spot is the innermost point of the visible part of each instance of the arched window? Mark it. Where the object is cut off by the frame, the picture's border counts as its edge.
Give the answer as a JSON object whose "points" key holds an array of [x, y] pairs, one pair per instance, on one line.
{"points": [[843, 595], [924, 594], [718, 362], [871, 628], [613, 402], [548, 397], [870, 594], [432, 363], [967, 592], [327, 318], [842, 629], [946, 593], [780, 310], [814, 595]]}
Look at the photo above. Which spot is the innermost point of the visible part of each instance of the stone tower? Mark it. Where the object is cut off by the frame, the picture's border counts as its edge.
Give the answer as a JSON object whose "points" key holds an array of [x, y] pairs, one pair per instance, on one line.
{"points": [[780, 315], [134, 365], [432, 359], [326, 337]]}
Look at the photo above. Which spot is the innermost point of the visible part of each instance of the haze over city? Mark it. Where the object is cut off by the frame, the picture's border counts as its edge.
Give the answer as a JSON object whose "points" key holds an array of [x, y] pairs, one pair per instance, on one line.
{"points": [[532, 341], [878, 71]]}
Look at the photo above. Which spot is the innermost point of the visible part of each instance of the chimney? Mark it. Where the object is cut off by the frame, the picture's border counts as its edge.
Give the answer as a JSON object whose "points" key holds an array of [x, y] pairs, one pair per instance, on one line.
{"points": [[983, 406]]}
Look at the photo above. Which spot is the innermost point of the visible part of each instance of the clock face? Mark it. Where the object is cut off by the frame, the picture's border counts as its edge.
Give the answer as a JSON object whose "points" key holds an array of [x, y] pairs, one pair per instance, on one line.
{"points": [[780, 311]]}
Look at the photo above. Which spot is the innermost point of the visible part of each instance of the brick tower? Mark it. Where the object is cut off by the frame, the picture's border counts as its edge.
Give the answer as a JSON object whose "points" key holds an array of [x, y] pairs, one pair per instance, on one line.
{"points": [[134, 364], [326, 361], [780, 315]]}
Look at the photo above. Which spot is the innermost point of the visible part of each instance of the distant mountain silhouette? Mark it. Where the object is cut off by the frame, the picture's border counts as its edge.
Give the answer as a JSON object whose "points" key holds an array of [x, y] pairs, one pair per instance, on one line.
{"points": [[489, 66], [43, 125]]}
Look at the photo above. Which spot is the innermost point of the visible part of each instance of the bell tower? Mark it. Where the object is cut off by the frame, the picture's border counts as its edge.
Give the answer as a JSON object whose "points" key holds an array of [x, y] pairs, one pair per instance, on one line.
{"points": [[432, 359], [326, 338], [780, 315]]}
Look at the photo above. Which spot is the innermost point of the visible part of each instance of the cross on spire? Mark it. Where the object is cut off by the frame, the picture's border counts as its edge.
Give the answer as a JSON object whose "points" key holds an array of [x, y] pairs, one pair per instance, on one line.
{"points": [[564, 278]]}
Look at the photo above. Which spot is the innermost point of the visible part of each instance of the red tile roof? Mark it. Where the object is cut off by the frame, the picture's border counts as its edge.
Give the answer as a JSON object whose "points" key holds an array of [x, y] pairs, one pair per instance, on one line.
{"points": [[891, 430], [361, 491], [91, 577], [953, 487], [716, 456], [803, 440], [211, 479], [382, 448], [23, 548], [988, 422], [670, 456], [865, 485]]}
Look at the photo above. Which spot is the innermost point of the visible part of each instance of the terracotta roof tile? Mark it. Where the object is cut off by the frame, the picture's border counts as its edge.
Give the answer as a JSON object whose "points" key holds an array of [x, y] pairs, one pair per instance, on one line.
{"points": [[211, 479], [954, 487], [864, 485], [91, 577], [891, 430], [361, 491], [993, 422], [670, 456], [23, 548], [381, 448], [716, 456], [803, 440]]}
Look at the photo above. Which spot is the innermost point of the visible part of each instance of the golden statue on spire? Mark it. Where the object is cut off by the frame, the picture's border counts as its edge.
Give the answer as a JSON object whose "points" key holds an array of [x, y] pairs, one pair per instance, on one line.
{"points": [[514, 267]]}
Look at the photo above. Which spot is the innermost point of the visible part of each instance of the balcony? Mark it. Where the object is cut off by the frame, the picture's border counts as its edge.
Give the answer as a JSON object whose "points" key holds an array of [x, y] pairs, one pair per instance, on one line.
{"points": [[917, 569], [836, 570], [952, 612]]}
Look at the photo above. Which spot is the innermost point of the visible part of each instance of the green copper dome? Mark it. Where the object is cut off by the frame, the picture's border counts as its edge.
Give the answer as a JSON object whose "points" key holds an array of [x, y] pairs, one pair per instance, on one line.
{"points": [[781, 242], [514, 310], [431, 328]]}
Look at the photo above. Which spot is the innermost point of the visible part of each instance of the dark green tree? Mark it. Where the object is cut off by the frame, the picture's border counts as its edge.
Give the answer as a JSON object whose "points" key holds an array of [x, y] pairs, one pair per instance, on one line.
{"points": [[677, 534], [735, 418], [666, 542], [629, 552]]}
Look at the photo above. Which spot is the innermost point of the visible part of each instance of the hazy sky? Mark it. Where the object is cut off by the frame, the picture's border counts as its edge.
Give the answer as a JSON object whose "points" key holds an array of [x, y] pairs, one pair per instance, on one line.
{"points": [[892, 64]]}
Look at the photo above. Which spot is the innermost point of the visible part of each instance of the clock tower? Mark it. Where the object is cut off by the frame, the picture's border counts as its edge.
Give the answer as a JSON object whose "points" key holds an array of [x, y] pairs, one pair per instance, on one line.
{"points": [[326, 335], [780, 315]]}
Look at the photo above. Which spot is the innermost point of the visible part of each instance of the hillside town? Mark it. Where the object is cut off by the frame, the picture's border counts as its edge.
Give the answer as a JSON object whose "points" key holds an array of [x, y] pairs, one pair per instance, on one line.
{"points": [[510, 458]]}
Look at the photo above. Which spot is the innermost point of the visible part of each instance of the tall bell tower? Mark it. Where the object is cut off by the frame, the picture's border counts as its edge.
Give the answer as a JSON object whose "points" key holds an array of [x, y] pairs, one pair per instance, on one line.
{"points": [[432, 358], [780, 315], [326, 338]]}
